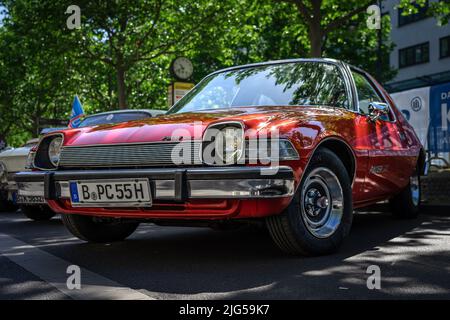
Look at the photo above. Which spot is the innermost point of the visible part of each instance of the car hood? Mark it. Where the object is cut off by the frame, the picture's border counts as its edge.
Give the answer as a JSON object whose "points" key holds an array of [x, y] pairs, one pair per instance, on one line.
{"points": [[17, 152], [191, 125], [15, 159]]}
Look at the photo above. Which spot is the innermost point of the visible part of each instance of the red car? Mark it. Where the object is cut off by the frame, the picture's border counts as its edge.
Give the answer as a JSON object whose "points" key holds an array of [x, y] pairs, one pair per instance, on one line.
{"points": [[297, 144]]}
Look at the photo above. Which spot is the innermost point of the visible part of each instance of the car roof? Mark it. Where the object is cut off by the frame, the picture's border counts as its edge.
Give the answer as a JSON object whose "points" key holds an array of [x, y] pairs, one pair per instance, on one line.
{"points": [[151, 112], [272, 62]]}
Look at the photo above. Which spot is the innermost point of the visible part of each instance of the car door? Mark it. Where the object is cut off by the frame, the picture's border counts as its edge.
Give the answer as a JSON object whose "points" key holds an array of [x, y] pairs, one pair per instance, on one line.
{"points": [[385, 143]]}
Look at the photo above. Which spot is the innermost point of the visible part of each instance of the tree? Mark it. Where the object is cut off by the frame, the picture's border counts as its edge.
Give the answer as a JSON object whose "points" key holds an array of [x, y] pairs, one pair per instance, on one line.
{"points": [[33, 75], [325, 16], [130, 35], [439, 9]]}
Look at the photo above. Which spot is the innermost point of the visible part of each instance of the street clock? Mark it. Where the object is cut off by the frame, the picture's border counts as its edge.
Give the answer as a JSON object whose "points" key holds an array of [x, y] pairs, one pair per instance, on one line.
{"points": [[182, 68]]}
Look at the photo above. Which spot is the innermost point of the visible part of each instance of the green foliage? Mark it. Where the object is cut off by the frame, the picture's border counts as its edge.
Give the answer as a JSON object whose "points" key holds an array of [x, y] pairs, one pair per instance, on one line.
{"points": [[359, 46], [438, 9], [121, 55]]}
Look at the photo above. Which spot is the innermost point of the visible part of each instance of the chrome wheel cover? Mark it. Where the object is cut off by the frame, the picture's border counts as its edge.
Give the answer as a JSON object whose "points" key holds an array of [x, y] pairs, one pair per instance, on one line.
{"points": [[322, 202], [414, 185]]}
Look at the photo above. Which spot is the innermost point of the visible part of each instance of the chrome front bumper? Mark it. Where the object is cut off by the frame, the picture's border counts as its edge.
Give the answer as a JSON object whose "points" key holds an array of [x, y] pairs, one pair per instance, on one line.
{"points": [[171, 184]]}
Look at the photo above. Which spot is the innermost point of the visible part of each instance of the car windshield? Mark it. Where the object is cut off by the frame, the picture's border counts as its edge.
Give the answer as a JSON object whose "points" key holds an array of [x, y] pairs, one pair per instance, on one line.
{"points": [[111, 118], [286, 84]]}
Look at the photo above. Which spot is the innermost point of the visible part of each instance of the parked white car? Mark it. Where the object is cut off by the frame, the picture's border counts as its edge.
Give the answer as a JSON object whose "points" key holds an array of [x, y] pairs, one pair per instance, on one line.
{"points": [[11, 162]]}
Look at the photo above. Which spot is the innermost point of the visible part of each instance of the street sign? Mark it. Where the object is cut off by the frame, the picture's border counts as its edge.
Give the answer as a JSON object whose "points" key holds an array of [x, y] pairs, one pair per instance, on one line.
{"points": [[178, 90]]}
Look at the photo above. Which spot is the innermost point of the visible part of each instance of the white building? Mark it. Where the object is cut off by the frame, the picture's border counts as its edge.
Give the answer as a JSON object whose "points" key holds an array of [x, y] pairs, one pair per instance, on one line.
{"points": [[421, 88], [422, 49]]}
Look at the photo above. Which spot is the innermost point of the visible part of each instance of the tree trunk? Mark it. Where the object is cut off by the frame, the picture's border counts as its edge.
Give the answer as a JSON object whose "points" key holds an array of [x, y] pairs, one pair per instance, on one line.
{"points": [[35, 129], [315, 38], [315, 30], [121, 87]]}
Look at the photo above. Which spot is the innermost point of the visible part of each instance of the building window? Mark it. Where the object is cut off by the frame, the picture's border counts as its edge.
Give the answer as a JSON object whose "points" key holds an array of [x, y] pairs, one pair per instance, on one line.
{"points": [[410, 18], [414, 55], [445, 47]]}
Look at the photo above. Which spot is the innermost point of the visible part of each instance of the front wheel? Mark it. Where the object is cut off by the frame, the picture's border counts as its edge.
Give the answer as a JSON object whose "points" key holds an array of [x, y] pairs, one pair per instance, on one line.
{"points": [[320, 214], [406, 204], [93, 229], [38, 212]]}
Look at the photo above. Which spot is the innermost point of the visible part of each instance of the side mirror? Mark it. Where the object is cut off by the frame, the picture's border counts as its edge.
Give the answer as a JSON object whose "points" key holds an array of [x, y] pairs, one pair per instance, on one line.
{"points": [[377, 110]]}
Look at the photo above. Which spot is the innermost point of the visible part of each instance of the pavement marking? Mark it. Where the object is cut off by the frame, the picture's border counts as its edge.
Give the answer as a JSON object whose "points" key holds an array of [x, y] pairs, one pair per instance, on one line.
{"points": [[52, 270]]}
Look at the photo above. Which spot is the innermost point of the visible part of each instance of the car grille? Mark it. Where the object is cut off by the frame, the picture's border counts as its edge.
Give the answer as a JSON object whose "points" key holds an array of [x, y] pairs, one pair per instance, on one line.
{"points": [[129, 155]]}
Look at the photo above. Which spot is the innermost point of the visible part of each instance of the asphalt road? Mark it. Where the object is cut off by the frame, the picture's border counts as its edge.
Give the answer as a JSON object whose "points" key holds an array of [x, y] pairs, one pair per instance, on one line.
{"points": [[191, 263]]}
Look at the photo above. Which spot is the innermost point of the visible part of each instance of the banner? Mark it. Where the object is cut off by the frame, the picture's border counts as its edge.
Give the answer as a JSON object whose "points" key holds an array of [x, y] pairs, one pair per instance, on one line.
{"points": [[414, 105], [439, 137]]}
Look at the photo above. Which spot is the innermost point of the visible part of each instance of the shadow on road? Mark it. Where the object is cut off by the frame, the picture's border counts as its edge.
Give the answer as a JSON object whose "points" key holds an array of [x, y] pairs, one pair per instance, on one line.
{"points": [[202, 263]]}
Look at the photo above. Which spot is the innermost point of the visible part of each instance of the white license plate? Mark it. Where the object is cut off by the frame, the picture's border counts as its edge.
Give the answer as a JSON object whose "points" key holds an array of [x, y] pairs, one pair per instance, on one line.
{"points": [[30, 199], [107, 193]]}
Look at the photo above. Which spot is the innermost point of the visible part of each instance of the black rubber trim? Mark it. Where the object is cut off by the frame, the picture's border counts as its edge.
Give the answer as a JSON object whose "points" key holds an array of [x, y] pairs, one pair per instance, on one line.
{"points": [[157, 174], [180, 186], [49, 186]]}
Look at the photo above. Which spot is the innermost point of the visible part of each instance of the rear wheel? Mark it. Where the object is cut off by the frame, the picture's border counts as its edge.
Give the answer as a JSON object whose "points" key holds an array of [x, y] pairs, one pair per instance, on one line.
{"points": [[406, 204], [320, 214], [94, 229], [37, 213]]}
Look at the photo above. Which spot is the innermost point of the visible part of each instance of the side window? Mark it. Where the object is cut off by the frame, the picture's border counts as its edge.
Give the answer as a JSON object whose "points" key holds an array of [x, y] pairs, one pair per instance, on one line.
{"points": [[367, 94]]}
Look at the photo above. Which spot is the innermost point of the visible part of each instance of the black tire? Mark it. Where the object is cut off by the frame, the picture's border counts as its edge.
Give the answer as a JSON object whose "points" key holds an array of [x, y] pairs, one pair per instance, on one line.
{"points": [[406, 204], [38, 212], [89, 229], [7, 206], [291, 231]]}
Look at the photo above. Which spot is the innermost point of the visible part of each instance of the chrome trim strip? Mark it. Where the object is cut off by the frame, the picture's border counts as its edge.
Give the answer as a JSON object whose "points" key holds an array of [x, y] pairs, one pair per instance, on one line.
{"points": [[164, 189], [131, 143], [241, 189]]}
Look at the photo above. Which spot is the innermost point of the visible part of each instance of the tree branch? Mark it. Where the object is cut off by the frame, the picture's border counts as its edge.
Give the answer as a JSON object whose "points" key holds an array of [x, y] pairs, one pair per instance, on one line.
{"points": [[344, 19], [149, 32], [165, 48], [302, 8]]}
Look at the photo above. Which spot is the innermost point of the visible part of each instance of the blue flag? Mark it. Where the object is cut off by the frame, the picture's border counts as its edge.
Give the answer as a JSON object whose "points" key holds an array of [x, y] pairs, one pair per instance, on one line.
{"points": [[77, 113]]}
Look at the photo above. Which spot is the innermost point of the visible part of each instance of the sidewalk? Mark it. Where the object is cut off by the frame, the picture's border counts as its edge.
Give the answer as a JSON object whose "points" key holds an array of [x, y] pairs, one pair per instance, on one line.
{"points": [[436, 188]]}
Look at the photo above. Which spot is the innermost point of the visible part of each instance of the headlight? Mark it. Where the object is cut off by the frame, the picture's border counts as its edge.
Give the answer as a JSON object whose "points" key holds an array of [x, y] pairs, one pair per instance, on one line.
{"points": [[228, 144], [54, 150], [223, 144]]}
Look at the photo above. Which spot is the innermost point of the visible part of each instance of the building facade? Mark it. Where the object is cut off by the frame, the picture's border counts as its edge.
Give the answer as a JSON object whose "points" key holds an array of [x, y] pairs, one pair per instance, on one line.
{"points": [[422, 49], [421, 88]]}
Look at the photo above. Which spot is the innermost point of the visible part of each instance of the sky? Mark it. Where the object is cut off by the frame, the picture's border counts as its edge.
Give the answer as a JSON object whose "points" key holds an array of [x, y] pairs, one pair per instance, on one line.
{"points": [[2, 15]]}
